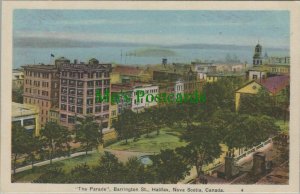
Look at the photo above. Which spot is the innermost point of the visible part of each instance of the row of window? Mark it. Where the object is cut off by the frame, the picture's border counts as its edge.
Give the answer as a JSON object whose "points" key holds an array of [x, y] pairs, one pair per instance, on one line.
{"points": [[89, 92], [80, 83], [37, 74], [81, 74], [33, 101], [146, 91], [80, 109], [280, 70], [38, 92]]}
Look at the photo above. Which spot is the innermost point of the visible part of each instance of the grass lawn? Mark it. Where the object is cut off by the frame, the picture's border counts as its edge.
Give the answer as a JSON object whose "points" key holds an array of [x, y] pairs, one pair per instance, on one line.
{"points": [[167, 139], [66, 165], [284, 126]]}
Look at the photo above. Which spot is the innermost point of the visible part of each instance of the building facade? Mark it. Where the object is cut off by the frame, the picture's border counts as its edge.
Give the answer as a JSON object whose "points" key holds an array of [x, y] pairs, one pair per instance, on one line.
{"points": [[78, 85], [143, 102], [41, 88]]}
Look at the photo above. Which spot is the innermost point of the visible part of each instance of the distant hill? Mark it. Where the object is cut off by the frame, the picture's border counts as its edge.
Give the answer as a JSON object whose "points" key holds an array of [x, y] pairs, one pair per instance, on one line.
{"points": [[152, 52]]}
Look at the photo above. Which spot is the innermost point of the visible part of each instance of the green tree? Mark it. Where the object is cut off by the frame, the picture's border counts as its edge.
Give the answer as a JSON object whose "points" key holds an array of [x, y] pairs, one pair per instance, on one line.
{"points": [[169, 167], [125, 125], [135, 171], [88, 133], [203, 145], [34, 146], [55, 138], [19, 136], [17, 95], [246, 131], [81, 174], [109, 170]]}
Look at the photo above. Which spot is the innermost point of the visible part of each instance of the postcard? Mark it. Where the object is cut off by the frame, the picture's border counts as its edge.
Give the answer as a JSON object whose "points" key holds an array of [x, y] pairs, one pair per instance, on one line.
{"points": [[150, 97]]}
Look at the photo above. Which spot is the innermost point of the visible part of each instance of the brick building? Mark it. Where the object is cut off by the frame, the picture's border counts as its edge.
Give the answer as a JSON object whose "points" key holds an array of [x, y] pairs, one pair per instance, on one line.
{"points": [[78, 84], [41, 88]]}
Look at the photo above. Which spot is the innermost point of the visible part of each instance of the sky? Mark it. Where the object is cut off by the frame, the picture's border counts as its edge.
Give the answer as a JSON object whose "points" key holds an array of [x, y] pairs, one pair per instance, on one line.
{"points": [[71, 28]]}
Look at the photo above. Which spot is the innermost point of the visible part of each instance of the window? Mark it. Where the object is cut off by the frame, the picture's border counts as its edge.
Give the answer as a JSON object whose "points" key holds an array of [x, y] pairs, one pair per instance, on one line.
{"points": [[79, 110], [64, 82], [71, 100], [98, 109], [106, 74], [254, 77], [63, 98], [72, 108], [89, 110], [79, 101], [90, 92], [72, 82], [80, 92], [80, 83], [16, 122], [27, 122], [63, 90], [105, 108], [98, 83], [90, 83], [63, 117], [63, 107], [71, 119], [89, 101], [72, 91]]}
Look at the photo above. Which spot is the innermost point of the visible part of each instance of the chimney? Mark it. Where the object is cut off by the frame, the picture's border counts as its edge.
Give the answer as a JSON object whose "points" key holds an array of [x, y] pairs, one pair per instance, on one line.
{"points": [[75, 61]]}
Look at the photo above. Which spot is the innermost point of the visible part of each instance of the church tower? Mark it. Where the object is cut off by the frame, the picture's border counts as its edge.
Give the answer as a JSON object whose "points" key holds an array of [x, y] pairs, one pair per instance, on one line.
{"points": [[257, 57]]}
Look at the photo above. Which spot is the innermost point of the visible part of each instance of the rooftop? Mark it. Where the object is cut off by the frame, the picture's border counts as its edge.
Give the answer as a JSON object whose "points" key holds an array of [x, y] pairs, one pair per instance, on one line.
{"points": [[19, 110], [275, 84], [127, 70]]}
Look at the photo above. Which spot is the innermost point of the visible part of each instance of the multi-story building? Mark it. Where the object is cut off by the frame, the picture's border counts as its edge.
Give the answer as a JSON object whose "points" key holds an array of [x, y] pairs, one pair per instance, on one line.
{"points": [[17, 79], [78, 85], [41, 88], [26, 116], [141, 103]]}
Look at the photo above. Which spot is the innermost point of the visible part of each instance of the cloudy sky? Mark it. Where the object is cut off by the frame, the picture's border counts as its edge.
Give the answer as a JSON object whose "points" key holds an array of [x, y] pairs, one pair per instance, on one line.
{"points": [[35, 28]]}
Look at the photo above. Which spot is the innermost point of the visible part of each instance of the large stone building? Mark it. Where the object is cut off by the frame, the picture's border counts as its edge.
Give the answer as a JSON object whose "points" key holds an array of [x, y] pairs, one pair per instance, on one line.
{"points": [[78, 85], [41, 88]]}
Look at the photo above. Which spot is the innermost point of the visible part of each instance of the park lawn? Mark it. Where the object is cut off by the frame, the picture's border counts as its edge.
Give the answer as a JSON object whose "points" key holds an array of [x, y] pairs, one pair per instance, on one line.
{"points": [[167, 139], [66, 165], [284, 126]]}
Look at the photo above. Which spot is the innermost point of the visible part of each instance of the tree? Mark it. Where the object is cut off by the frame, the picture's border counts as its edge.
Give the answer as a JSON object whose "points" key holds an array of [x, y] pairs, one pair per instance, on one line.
{"points": [[169, 167], [19, 136], [135, 171], [17, 95], [109, 170], [81, 174], [246, 130], [55, 138], [203, 145], [124, 125], [88, 133], [34, 146]]}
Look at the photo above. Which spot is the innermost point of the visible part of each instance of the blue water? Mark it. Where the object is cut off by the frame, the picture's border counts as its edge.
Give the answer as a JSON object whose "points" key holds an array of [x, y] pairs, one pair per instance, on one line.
{"points": [[23, 56]]}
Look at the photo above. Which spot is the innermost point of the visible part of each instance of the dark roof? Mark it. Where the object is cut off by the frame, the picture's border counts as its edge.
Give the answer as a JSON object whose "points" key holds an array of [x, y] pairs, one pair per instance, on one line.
{"points": [[126, 70], [275, 84]]}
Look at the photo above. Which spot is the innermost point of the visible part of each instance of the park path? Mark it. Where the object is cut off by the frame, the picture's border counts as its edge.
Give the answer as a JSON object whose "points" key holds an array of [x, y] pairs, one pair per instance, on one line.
{"points": [[122, 155]]}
